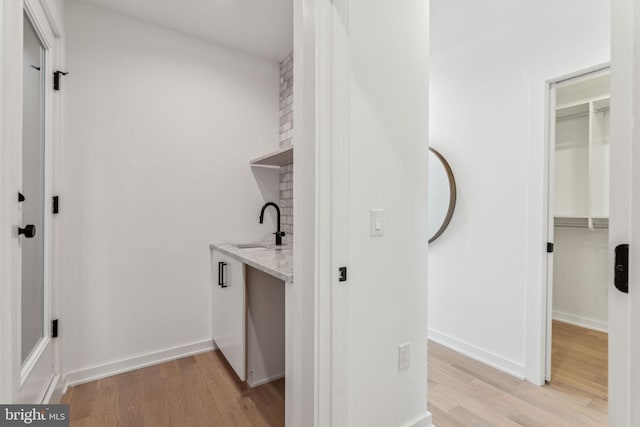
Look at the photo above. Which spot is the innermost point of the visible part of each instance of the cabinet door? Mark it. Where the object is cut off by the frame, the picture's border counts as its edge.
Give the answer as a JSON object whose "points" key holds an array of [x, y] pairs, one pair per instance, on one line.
{"points": [[218, 310], [229, 311]]}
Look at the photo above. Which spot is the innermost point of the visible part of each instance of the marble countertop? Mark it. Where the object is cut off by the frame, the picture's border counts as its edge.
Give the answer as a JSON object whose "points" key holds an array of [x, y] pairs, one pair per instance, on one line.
{"points": [[267, 257]]}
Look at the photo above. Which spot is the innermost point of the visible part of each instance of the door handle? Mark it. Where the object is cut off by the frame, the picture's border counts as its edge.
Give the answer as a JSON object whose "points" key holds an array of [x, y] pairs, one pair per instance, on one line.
{"points": [[29, 231], [621, 272], [221, 281]]}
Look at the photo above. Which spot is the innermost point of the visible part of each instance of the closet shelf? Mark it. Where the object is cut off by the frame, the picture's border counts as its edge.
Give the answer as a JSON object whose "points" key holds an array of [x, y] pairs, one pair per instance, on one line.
{"points": [[581, 222], [280, 157], [571, 111], [581, 108]]}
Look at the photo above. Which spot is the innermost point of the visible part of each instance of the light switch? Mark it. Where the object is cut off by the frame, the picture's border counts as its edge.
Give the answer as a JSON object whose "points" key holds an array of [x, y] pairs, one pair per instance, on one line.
{"points": [[377, 222]]}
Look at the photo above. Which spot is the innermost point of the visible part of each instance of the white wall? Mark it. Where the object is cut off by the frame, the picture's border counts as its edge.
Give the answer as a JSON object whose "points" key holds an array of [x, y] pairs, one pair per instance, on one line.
{"points": [[361, 99], [487, 117], [388, 159], [580, 277], [55, 13], [160, 128]]}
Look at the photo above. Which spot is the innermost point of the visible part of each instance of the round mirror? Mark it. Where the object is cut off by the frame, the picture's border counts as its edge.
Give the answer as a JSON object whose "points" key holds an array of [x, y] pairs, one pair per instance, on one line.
{"points": [[442, 194]]}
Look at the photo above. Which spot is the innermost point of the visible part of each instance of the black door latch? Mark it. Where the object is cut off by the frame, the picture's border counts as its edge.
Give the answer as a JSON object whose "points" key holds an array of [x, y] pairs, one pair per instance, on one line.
{"points": [[342, 277], [621, 273]]}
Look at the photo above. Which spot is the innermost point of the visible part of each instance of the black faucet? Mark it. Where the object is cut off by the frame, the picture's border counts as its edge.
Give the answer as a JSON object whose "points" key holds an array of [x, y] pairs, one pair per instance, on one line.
{"points": [[278, 233]]}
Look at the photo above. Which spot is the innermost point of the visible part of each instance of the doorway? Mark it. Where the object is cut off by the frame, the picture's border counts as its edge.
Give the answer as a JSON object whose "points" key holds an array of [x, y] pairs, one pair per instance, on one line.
{"points": [[35, 355], [578, 218]]}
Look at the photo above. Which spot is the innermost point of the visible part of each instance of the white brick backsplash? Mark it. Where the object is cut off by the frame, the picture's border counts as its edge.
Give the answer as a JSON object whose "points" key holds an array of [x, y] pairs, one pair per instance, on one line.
{"points": [[286, 138], [286, 199]]}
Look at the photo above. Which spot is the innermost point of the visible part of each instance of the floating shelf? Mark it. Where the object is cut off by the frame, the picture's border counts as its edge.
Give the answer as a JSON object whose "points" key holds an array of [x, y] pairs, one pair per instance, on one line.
{"points": [[280, 157]]}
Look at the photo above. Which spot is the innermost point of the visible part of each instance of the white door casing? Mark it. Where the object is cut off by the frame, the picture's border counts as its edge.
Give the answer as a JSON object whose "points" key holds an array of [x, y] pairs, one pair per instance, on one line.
{"points": [[37, 370], [34, 381], [551, 136], [634, 257], [623, 103], [550, 184]]}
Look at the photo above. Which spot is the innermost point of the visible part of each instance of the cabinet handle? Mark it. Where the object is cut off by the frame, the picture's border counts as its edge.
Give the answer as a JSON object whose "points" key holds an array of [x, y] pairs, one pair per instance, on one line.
{"points": [[221, 281]]}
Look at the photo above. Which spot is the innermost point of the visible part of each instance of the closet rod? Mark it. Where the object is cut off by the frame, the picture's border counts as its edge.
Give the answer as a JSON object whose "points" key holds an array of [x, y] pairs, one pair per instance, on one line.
{"points": [[598, 223], [596, 227], [586, 113]]}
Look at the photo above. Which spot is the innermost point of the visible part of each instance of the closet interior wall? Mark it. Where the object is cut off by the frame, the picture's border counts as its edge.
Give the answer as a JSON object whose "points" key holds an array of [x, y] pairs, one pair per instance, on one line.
{"points": [[581, 204]]}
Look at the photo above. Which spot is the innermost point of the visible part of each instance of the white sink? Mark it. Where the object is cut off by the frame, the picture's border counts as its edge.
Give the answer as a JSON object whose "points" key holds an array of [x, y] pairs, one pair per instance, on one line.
{"points": [[251, 246]]}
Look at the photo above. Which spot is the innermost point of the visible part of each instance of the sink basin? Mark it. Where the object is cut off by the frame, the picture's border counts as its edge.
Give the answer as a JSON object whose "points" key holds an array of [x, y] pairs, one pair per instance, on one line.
{"points": [[251, 246]]}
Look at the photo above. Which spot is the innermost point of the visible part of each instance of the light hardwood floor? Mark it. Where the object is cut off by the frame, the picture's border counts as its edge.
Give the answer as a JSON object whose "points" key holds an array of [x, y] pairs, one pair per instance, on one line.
{"points": [[463, 392], [203, 391], [200, 390]]}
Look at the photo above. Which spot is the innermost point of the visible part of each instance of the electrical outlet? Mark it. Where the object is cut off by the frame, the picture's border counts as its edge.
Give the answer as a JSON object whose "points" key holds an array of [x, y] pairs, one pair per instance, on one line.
{"points": [[403, 357]]}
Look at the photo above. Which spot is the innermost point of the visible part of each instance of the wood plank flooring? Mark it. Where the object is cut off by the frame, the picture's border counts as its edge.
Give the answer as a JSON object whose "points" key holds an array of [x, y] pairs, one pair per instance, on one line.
{"points": [[463, 392], [203, 391], [200, 390]]}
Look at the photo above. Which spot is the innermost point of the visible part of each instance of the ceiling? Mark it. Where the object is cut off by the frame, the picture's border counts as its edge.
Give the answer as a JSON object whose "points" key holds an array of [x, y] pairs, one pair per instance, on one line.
{"points": [[261, 27], [455, 20], [265, 27]]}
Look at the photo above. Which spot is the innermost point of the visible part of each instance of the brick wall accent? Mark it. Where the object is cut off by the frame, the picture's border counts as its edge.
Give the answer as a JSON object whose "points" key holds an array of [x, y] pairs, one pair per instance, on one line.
{"points": [[286, 200], [286, 101], [286, 138]]}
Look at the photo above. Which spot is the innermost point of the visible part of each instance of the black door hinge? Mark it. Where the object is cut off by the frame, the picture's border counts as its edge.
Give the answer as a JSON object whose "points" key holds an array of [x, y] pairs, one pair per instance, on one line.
{"points": [[54, 328], [55, 204], [56, 79], [549, 247], [21, 198], [342, 277]]}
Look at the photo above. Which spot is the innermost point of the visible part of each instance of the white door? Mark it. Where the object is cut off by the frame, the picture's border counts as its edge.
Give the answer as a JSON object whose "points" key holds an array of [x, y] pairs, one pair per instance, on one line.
{"points": [[34, 233], [624, 227], [550, 230]]}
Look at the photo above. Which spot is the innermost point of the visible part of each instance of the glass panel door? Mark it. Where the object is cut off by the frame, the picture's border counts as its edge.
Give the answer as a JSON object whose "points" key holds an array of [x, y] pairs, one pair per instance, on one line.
{"points": [[33, 191]]}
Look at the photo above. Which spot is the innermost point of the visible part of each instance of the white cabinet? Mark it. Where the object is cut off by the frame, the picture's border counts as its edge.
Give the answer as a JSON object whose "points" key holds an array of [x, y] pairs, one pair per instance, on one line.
{"points": [[229, 310]]}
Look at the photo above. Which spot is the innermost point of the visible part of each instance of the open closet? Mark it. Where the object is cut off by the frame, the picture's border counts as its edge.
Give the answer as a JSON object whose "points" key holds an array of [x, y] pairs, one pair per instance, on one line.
{"points": [[581, 201], [579, 198]]}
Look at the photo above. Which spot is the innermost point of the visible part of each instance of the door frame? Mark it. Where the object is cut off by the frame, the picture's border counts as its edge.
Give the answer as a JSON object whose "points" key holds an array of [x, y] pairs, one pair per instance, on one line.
{"points": [[537, 190], [550, 142], [318, 352], [11, 43], [623, 339]]}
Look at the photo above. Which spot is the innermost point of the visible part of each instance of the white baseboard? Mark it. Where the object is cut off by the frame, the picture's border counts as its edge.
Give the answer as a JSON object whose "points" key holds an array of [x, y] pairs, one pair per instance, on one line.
{"points": [[125, 365], [265, 380], [596, 325], [54, 393], [488, 358], [422, 421]]}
